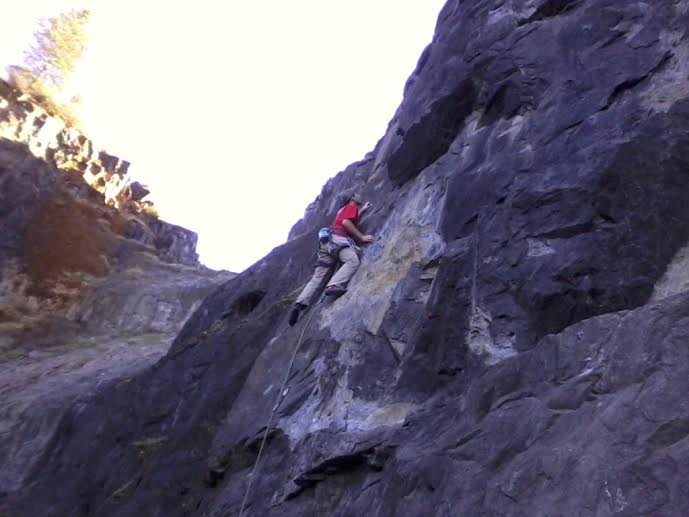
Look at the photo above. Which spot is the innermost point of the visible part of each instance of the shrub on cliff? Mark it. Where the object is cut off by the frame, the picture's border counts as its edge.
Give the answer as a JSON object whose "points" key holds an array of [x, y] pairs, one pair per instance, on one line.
{"points": [[59, 43], [28, 84]]}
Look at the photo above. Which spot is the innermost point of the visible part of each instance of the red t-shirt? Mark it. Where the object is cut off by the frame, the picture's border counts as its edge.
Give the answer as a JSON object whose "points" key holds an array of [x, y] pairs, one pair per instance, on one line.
{"points": [[349, 211]]}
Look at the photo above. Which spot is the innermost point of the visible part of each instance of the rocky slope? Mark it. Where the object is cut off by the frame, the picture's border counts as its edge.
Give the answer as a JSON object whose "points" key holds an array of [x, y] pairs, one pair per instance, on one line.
{"points": [[92, 289], [515, 342]]}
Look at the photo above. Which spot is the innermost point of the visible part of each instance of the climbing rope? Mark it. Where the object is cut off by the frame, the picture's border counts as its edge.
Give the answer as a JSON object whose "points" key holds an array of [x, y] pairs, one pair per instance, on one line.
{"points": [[281, 396]]}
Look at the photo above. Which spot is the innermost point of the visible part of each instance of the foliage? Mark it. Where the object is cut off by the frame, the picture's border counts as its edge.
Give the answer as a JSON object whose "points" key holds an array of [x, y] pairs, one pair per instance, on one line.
{"points": [[58, 45], [28, 84], [148, 208]]}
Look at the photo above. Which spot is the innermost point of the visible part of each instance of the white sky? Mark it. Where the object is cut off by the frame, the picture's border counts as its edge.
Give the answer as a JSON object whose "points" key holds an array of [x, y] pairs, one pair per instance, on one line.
{"points": [[235, 113]]}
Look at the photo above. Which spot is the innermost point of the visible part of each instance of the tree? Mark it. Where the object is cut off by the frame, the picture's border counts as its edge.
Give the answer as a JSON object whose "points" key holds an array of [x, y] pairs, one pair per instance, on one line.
{"points": [[58, 45]]}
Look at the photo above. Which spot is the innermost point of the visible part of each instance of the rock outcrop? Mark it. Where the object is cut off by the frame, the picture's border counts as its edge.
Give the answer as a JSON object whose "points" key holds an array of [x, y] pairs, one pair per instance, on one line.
{"points": [[24, 120], [92, 289], [514, 342]]}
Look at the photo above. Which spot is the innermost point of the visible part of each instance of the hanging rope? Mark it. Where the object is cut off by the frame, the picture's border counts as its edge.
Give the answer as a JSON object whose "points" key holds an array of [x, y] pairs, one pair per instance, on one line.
{"points": [[280, 397]]}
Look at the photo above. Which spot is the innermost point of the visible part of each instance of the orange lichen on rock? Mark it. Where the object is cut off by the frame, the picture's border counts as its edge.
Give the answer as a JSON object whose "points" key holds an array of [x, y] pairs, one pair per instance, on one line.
{"points": [[67, 236]]}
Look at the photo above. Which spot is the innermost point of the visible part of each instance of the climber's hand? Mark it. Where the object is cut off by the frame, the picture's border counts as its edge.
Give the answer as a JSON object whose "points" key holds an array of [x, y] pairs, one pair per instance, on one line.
{"points": [[367, 238]]}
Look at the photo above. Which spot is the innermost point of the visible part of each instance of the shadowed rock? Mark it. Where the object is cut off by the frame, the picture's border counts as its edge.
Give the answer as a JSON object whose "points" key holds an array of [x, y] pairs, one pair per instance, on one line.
{"points": [[514, 342]]}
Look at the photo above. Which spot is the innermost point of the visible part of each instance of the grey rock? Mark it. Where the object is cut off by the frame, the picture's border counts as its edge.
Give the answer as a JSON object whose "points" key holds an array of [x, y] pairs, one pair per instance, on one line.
{"points": [[139, 191], [501, 350]]}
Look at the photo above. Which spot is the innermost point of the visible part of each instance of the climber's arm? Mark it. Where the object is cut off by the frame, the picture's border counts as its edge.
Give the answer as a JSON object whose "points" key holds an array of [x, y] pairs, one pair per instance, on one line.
{"points": [[354, 231]]}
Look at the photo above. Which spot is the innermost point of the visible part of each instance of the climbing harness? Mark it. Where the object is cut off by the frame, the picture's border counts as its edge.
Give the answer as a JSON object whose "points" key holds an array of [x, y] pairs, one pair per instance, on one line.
{"points": [[280, 397], [329, 251]]}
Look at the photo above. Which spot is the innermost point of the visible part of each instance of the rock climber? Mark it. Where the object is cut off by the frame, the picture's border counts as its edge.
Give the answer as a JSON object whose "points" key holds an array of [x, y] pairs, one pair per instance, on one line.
{"points": [[340, 247]]}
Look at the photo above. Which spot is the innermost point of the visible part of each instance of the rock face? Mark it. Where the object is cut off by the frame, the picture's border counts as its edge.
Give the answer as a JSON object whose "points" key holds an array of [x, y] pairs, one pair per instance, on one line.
{"points": [[515, 342], [90, 294], [23, 119], [63, 252]]}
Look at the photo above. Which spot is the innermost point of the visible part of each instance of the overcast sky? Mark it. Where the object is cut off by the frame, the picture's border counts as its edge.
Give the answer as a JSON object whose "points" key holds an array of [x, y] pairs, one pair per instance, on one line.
{"points": [[235, 113]]}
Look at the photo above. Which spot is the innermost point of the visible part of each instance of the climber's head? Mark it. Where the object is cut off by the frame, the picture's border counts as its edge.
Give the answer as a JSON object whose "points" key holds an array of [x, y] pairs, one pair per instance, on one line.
{"points": [[347, 197], [356, 199]]}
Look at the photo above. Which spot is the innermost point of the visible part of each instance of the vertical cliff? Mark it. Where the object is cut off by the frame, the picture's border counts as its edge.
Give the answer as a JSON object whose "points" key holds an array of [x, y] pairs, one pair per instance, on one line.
{"points": [[515, 342]]}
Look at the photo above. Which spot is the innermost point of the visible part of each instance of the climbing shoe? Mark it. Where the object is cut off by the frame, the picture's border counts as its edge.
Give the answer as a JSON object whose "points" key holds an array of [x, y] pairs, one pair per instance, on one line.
{"points": [[335, 290], [294, 314]]}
